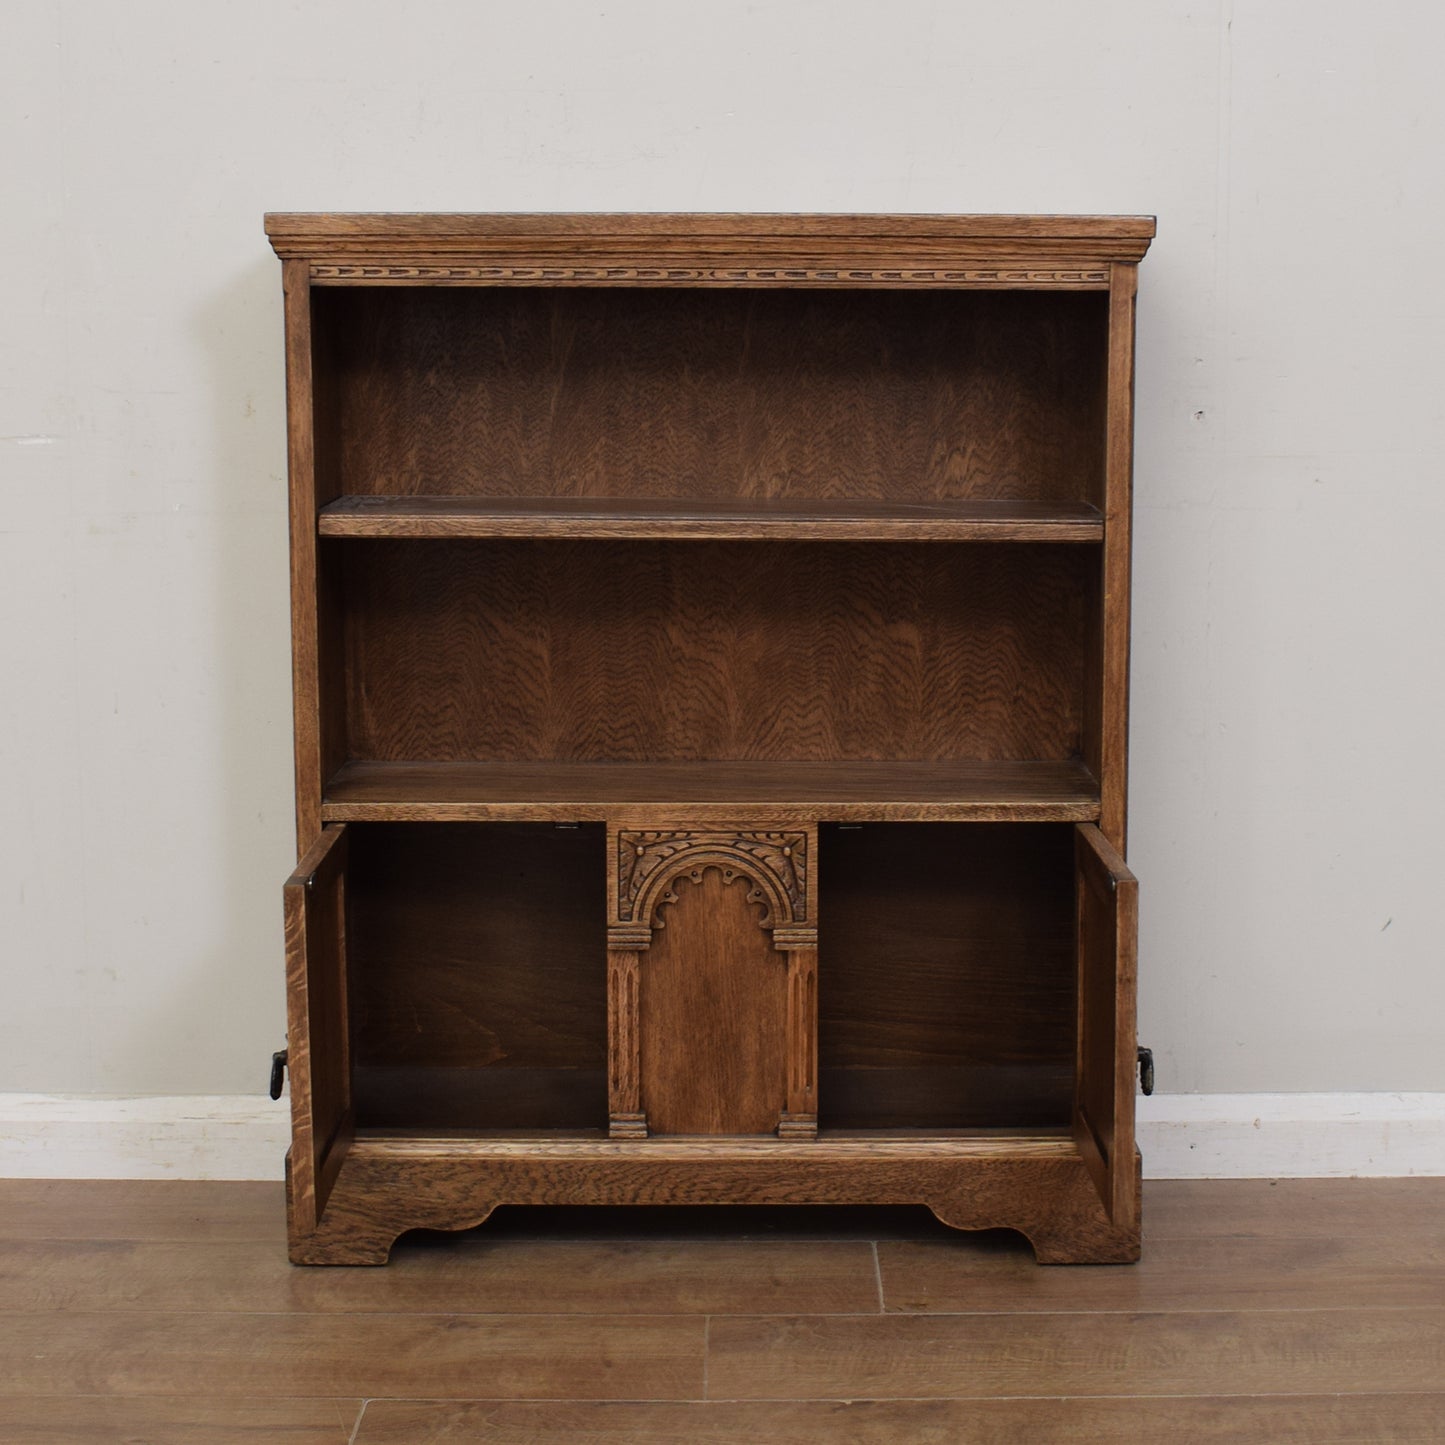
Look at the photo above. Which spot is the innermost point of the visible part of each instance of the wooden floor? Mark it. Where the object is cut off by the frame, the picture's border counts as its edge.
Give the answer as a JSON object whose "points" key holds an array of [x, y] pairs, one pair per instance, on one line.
{"points": [[166, 1312]]}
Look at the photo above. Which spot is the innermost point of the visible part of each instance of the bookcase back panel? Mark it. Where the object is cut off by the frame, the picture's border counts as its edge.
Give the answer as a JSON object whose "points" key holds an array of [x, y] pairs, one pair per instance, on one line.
{"points": [[477, 975], [711, 394], [701, 651], [946, 975]]}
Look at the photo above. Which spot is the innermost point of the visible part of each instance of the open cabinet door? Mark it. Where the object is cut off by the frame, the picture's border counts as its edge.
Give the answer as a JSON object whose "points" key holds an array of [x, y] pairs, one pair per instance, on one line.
{"points": [[317, 1038], [1107, 900]]}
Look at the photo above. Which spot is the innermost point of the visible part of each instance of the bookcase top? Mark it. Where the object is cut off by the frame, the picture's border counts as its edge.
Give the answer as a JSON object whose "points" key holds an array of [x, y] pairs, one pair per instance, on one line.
{"points": [[653, 247]]}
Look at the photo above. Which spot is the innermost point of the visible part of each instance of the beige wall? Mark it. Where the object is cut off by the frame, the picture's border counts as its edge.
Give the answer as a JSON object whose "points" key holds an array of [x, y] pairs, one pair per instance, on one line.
{"points": [[1289, 789]]}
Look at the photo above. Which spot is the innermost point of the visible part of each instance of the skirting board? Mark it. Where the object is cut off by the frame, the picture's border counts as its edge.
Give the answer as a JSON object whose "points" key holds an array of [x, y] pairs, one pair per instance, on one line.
{"points": [[1181, 1136]]}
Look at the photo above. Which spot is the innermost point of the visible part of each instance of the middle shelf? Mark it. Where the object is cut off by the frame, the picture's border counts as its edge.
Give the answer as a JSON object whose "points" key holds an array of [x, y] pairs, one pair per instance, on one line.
{"points": [[732, 519], [673, 794]]}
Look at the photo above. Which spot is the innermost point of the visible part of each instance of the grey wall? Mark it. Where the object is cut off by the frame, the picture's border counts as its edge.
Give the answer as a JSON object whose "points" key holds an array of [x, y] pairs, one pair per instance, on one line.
{"points": [[1289, 674]]}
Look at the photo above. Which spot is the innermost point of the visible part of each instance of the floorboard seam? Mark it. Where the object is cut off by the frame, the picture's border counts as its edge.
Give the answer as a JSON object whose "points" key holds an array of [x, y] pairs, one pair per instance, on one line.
{"points": [[569, 1400], [636, 1316], [1239, 1309], [356, 1424], [1376, 1394]]}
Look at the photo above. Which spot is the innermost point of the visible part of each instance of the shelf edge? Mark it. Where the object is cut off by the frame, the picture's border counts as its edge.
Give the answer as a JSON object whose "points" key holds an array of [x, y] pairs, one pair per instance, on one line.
{"points": [[584, 519], [652, 814]]}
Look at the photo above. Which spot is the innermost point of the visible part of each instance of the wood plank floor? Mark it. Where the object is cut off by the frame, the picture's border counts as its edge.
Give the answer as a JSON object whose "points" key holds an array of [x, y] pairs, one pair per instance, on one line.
{"points": [[1303, 1310]]}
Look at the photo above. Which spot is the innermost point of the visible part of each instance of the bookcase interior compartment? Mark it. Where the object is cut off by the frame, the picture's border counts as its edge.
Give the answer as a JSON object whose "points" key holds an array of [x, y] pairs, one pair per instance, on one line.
{"points": [[476, 976], [700, 651], [947, 994], [698, 394]]}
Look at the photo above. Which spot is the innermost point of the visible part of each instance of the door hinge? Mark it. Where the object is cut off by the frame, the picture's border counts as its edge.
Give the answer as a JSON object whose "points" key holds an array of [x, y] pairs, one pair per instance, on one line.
{"points": [[278, 1071], [1146, 1070]]}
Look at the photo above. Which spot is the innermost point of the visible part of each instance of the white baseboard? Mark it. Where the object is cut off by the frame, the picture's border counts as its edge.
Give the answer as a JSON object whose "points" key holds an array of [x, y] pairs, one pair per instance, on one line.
{"points": [[1182, 1136], [1291, 1136], [200, 1136]]}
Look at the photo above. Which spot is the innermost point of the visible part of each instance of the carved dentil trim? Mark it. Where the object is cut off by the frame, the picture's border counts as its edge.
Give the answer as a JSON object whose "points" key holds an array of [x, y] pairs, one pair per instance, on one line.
{"points": [[841, 275], [777, 863]]}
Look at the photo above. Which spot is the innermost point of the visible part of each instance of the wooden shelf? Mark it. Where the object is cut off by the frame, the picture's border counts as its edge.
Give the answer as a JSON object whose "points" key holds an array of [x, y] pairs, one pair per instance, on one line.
{"points": [[745, 519], [682, 793], [836, 1144]]}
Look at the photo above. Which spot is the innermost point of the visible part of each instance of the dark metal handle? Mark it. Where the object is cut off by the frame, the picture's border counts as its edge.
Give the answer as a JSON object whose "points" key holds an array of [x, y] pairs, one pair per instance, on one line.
{"points": [[1146, 1070], [278, 1071]]}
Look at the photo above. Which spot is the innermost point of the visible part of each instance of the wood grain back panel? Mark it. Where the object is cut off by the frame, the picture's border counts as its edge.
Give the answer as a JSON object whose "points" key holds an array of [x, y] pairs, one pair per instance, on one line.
{"points": [[713, 651], [478, 972], [713, 394], [713, 1013], [946, 975]]}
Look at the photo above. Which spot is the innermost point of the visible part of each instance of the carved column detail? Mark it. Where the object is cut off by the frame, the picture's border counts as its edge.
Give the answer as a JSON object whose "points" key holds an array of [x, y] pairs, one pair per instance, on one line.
{"points": [[625, 1119], [800, 1118], [776, 868]]}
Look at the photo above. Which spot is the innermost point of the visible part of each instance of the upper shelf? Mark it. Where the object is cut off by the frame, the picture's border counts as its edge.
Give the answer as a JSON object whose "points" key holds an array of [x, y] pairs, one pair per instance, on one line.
{"points": [[746, 519]]}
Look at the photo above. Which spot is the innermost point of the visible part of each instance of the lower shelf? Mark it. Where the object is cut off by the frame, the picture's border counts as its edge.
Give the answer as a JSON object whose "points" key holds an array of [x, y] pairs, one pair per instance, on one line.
{"points": [[676, 794], [1036, 1183]]}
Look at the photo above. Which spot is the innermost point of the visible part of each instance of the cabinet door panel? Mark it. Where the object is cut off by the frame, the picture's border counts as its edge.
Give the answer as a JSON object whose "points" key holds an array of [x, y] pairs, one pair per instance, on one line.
{"points": [[1107, 900], [714, 1014], [316, 1027], [712, 982]]}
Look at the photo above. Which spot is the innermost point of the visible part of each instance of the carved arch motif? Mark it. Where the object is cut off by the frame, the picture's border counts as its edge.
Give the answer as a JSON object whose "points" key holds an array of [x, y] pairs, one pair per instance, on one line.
{"points": [[776, 863], [660, 890]]}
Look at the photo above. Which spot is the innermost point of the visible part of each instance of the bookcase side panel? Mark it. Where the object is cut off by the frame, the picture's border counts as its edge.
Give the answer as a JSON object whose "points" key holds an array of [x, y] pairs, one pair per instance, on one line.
{"points": [[1107, 686], [306, 684]]}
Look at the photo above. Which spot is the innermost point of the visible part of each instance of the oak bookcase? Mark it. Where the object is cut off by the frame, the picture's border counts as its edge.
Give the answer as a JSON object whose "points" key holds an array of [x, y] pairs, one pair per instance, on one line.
{"points": [[711, 670]]}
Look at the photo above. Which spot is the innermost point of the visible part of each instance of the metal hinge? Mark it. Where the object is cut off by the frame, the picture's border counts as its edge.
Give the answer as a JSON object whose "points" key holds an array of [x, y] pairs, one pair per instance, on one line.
{"points": [[1146, 1070], [278, 1071]]}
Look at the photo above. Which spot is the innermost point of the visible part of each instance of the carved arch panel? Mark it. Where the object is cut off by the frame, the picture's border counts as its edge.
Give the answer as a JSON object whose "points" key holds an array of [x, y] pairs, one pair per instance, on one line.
{"points": [[712, 982]]}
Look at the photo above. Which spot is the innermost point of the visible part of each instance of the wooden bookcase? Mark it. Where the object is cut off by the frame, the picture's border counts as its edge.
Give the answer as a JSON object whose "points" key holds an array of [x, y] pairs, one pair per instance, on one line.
{"points": [[711, 670]]}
